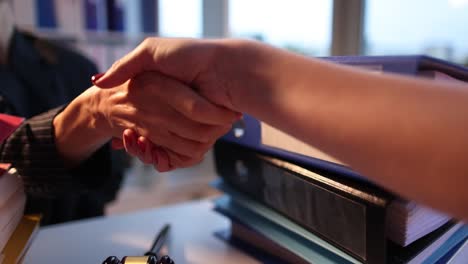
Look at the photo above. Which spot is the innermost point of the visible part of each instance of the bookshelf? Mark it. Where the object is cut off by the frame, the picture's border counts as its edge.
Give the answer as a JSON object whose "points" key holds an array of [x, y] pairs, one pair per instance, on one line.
{"points": [[104, 30]]}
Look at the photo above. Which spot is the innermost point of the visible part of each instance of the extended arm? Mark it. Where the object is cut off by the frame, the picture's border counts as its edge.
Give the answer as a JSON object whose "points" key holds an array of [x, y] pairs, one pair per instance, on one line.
{"points": [[406, 134]]}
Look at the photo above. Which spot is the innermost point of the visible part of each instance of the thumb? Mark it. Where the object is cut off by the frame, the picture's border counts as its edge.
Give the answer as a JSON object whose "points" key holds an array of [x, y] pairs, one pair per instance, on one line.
{"points": [[126, 68]]}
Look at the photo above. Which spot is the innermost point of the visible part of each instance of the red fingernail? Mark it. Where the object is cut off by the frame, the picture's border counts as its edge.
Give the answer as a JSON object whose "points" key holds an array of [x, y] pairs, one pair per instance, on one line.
{"points": [[96, 77]]}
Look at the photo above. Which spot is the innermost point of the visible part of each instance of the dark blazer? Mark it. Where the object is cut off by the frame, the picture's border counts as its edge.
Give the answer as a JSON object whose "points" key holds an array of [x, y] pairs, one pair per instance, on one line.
{"points": [[41, 76]]}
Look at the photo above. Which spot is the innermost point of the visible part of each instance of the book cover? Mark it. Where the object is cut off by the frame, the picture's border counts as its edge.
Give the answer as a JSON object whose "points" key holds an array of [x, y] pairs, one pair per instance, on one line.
{"points": [[429, 249], [313, 249], [7, 231], [9, 183], [458, 256], [260, 242], [345, 212], [13, 206], [460, 237], [21, 238], [434, 245]]}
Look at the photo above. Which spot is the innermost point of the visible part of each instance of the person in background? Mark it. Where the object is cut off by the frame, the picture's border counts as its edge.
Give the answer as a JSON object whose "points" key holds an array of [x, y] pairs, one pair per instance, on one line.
{"points": [[61, 150], [36, 76], [406, 134]]}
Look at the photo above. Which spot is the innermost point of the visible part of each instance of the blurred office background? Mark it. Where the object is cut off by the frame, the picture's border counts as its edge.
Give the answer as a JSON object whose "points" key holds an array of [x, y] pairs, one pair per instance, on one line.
{"points": [[105, 30]]}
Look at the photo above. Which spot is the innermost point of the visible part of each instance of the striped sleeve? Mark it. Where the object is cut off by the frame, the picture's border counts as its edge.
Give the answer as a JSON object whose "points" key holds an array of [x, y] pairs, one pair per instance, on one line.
{"points": [[32, 150]]}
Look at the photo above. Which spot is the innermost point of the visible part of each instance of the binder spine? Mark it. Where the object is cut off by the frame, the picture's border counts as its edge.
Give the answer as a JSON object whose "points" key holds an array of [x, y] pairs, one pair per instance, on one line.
{"points": [[350, 218]]}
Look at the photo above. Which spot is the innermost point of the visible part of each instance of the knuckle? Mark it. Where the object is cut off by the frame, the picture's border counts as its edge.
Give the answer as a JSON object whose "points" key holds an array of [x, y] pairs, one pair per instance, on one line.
{"points": [[148, 47], [132, 111], [193, 108], [189, 107], [116, 64], [147, 41]]}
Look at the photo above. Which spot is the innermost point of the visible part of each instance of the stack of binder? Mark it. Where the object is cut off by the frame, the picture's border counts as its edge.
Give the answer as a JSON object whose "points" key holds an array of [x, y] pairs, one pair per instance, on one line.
{"points": [[291, 202], [16, 229]]}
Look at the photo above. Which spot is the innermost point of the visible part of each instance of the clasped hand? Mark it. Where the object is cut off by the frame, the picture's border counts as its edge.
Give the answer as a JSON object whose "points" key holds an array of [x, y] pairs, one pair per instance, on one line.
{"points": [[176, 103], [165, 122]]}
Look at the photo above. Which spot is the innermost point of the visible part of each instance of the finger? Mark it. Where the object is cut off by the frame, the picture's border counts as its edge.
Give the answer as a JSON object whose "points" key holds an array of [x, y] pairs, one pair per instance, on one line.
{"points": [[146, 150], [172, 141], [129, 140], [184, 100], [158, 156], [177, 124], [135, 62], [161, 159], [180, 161], [184, 147], [117, 143]]}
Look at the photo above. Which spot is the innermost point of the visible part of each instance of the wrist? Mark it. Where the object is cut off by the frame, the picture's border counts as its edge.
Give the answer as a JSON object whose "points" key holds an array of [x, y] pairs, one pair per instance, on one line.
{"points": [[79, 132], [249, 72], [93, 101]]}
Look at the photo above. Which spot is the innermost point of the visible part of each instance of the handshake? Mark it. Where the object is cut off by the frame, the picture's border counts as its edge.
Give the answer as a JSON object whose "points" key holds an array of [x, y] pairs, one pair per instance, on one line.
{"points": [[166, 102]]}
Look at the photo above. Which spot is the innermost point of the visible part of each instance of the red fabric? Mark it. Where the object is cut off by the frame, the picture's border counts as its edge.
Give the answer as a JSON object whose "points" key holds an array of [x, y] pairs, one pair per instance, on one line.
{"points": [[8, 124]]}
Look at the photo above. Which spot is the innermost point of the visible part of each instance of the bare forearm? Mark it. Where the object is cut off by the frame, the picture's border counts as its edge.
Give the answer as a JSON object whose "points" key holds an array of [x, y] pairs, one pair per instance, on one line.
{"points": [[406, 134], [77, 132]]}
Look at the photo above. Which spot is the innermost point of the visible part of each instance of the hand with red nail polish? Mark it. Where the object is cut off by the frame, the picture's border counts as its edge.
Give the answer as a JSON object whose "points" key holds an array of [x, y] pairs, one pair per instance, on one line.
{"points": [[163, 111]]}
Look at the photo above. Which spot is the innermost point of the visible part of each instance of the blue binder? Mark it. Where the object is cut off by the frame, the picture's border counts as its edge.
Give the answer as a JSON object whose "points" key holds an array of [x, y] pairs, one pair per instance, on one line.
{"points": [[407, 65]]}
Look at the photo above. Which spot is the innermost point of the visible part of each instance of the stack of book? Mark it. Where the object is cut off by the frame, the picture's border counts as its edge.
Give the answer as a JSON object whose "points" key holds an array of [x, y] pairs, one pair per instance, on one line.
{"points": [[290, 202], [16, 229]]}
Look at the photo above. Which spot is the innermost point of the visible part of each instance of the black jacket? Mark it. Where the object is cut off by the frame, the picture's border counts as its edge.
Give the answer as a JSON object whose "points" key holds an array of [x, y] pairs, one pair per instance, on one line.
{"points": [[41, 76]]}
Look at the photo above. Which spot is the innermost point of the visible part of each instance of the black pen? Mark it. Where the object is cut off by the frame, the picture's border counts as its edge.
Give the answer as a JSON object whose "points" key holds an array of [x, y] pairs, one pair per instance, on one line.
{"points": [[159, 242], [152, 256]]}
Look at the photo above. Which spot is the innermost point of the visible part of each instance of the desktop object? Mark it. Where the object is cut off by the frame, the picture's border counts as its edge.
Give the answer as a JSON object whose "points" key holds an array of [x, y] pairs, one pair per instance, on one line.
{"points": [[152, 256]]}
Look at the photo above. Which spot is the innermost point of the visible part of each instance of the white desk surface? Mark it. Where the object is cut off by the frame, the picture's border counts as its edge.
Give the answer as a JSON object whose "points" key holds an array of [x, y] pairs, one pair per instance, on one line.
{"points": [[192, 237]]}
